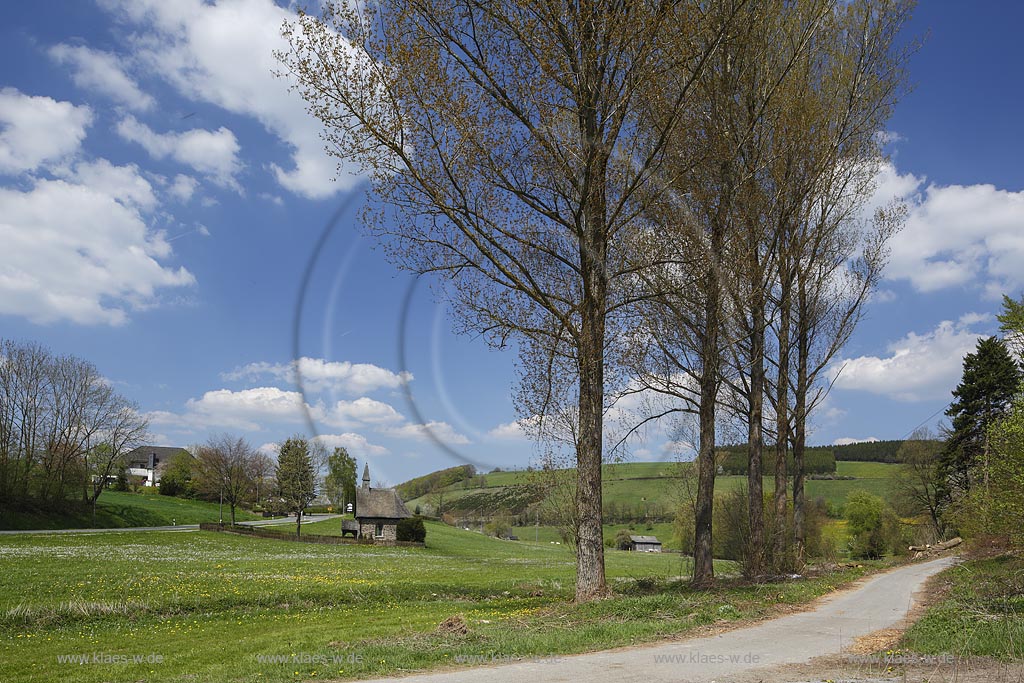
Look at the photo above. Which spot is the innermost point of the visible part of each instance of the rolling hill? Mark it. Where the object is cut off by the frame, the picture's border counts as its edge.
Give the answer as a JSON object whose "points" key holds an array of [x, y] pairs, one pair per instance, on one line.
{"points": [[632, 491]]}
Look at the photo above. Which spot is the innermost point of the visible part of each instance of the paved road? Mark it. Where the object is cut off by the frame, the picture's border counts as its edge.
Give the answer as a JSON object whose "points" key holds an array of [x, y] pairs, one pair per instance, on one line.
{"points": [[878, 603], [308, 519]]}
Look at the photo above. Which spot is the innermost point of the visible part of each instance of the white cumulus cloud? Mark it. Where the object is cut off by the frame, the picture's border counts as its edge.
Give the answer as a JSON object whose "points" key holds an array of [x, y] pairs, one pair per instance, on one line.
{"points": [[362, 411], [183, 186], [99, 71], [441, 431], [248, 410], [318, 375], [90, 270], [355, 444], [955, 235], [523, 428], [214, 153], [36, 130], [223, 53], [918, 367]]}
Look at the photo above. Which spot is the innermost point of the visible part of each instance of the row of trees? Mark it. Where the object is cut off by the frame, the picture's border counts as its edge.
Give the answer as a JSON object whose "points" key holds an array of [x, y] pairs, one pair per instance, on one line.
{"points": [[229, 469], [653, 198], [64, 430]]}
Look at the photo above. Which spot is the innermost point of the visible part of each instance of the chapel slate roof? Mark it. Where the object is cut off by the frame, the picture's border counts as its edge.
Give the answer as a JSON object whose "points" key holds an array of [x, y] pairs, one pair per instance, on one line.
{"points": [[380, 503]]}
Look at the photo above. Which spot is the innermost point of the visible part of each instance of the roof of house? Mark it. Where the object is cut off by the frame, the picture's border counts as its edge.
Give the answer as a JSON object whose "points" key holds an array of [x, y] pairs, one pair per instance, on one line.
{"points": [[645, 539], [381, 503]]}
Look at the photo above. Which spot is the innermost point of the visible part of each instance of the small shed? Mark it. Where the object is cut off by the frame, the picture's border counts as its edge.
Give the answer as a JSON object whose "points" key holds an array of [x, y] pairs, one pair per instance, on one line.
{"points": [[645, 544], [378, 512]]}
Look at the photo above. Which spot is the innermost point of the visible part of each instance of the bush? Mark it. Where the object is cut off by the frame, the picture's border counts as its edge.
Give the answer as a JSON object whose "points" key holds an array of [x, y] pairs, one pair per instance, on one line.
{"points": [[622, 541], [874, 527], [498, 527], [176, 479], [411, 529]]}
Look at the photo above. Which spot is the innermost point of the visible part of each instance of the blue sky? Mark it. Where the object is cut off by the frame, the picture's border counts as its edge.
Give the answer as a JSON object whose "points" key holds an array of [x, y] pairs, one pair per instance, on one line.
{"points": [[162, 195]]}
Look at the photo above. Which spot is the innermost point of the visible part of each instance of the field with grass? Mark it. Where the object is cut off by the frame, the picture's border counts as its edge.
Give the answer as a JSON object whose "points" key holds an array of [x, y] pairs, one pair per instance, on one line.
{"points": [[203, 606], [980, 614], [116, 509], [626, 485]]}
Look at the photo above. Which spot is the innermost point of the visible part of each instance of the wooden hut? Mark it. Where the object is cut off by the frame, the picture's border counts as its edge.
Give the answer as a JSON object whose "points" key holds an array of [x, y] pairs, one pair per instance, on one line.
{"points": [[645, 544]]}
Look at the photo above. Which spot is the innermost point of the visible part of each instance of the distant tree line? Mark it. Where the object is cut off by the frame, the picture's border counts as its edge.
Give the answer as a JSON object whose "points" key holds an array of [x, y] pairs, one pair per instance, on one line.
{"points": [[64, 430], [817, 460], [870, 451], [228, 469]]}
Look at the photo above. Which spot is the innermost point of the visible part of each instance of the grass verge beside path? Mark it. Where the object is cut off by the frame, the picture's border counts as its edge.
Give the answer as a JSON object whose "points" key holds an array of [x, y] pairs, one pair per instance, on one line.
{"points": [[216, 607], [980, 611]]}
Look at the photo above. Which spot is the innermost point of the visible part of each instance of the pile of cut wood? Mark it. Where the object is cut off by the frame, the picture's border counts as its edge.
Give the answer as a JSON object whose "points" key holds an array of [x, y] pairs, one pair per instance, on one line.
{"points": [[929, 550]]}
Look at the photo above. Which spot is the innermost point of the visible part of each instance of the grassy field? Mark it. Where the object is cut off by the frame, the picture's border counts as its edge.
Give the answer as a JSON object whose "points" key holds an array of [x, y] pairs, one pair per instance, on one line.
{"points": [[201, 606], [982, 614], [627, 484], [549, 534], [116, 509]]}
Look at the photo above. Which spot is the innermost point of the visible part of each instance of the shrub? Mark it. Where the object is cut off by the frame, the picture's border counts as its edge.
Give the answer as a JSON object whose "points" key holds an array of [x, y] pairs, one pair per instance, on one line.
{"points": [[498, 526], [874, 527], [411, 529], [684, 528], [622, 541]]}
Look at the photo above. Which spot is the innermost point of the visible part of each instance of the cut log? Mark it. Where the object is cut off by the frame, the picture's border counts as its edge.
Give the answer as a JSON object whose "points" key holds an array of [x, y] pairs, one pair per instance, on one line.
{"points": [[921, 550]]}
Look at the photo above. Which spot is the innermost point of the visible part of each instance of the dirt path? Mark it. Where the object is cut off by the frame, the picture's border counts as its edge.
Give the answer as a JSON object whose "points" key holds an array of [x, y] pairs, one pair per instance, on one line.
{"points": [[880, 602]]}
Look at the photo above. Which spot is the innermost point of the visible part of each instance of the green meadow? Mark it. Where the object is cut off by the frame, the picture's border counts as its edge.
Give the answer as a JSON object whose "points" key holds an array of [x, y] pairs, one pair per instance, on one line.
{"points": [[203, 606]]}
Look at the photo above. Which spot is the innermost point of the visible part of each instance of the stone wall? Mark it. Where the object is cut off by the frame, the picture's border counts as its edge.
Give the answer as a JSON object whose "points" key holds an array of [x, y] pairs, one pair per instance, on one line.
{"points": [[311, 538], [368, 530]]}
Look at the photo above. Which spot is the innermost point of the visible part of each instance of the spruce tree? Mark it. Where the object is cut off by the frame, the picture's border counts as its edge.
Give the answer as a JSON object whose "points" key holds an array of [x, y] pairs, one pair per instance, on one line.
{"points": [[296, 477], [990, 381]]}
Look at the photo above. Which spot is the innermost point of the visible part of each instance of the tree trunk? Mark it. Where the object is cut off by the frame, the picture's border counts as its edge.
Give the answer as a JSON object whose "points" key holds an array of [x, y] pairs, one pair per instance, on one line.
{"points": [[298, 523], [590, 577], [755, 439], [703, 558], [800, 435], [782, 421], [593, 254]]}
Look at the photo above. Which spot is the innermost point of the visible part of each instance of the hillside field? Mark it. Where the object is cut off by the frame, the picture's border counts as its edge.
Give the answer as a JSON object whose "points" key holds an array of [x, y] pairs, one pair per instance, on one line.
{"points": [[628, 484], [117, 509]]}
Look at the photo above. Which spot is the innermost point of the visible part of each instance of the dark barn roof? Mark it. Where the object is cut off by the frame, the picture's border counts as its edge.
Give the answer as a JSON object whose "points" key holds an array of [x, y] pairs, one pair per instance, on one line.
{"points": [[380, 503], [645, 539]]}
